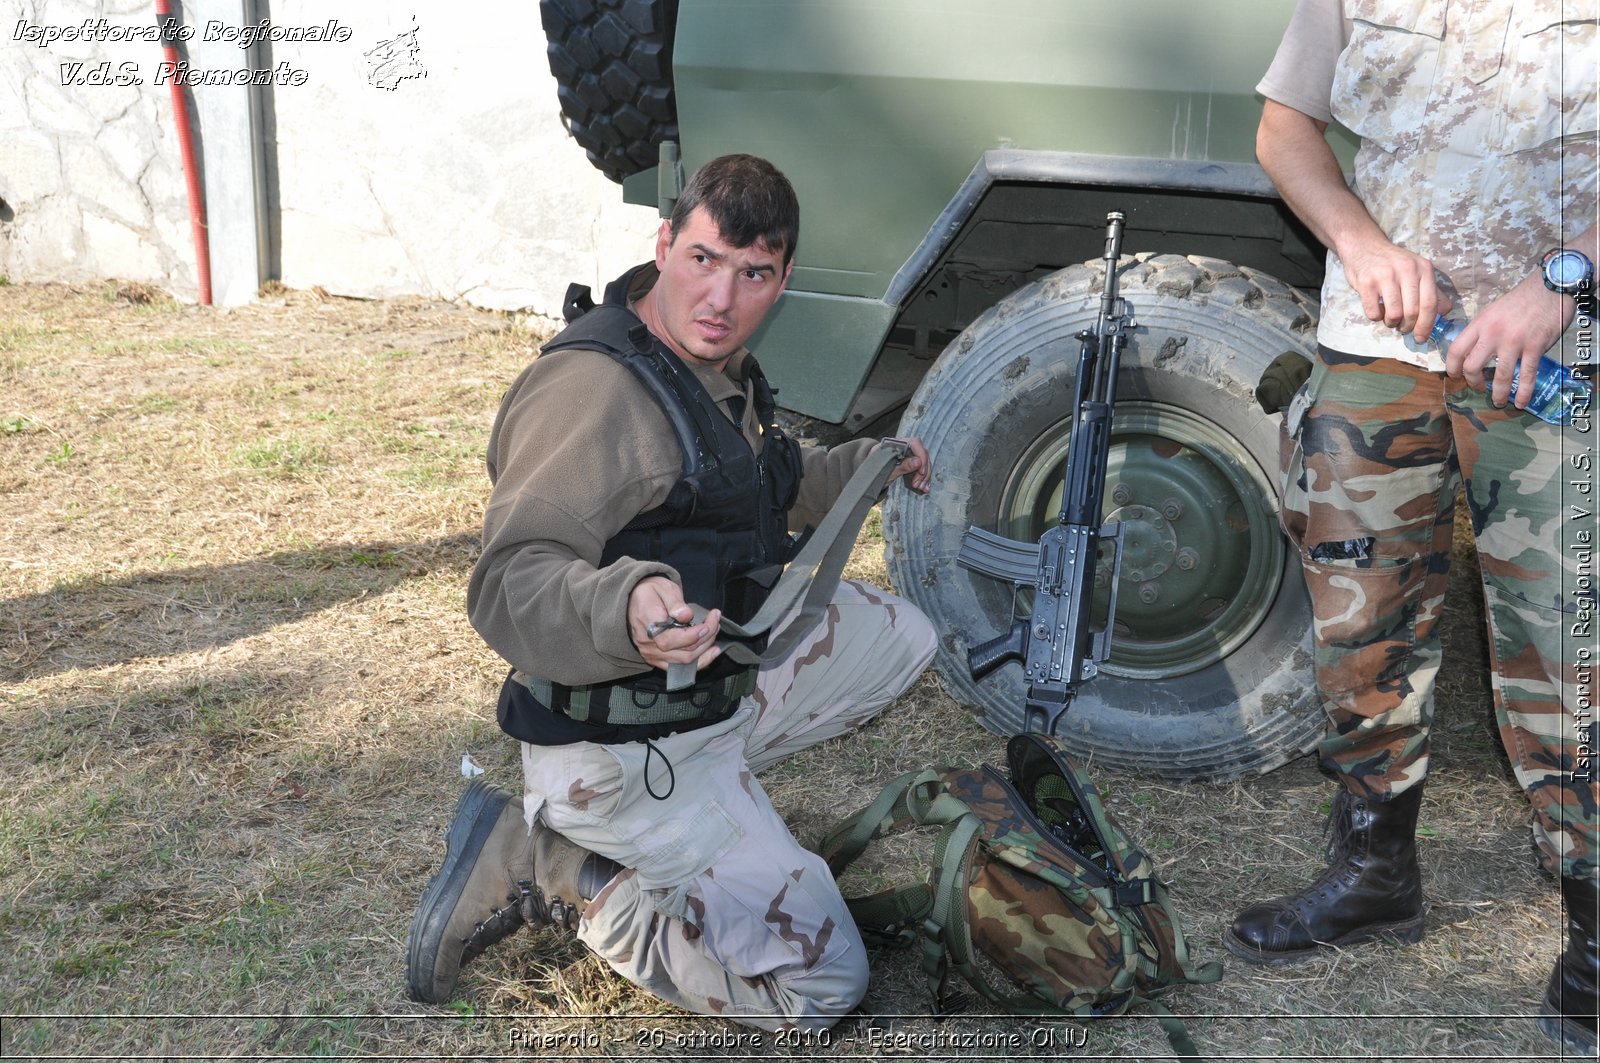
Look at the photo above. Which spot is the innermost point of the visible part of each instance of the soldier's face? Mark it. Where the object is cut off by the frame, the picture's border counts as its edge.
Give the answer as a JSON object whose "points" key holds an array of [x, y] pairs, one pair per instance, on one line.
{"points": [[711, 296]]}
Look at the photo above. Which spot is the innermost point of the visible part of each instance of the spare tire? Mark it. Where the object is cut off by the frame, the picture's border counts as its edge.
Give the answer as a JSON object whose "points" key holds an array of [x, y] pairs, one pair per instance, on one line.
{"points": [[1210, 670], [612, 60]]}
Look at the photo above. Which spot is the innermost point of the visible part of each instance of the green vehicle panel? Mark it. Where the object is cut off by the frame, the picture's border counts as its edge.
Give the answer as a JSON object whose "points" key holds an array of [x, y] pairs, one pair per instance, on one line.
{"points": [[885, 114]]}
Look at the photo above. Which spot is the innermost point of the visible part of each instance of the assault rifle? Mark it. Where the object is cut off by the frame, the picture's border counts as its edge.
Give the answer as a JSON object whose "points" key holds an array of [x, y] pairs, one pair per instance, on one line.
{"points": [[1056, 645]]}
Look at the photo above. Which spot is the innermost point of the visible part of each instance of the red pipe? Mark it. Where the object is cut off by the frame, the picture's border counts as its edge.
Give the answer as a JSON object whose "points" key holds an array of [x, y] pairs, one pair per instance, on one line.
{"points": [[191, 174]]}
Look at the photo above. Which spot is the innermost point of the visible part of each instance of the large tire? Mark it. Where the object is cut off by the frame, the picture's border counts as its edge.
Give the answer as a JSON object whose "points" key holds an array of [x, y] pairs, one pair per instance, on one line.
{"points": [[612, 60], [1210, 670]]}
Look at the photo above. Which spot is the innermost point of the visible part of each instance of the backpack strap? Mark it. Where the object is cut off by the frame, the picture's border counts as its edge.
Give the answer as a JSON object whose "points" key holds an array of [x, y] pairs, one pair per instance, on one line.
{"points": [[946, 933], [1177, 1034], [850, 838], [900, 912], [1203, 974], [893, 915]]}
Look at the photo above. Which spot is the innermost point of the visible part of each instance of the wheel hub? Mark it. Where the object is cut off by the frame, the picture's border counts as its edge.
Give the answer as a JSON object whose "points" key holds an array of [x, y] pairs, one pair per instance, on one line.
{"points": [[1201, 556], [1149, 543]]}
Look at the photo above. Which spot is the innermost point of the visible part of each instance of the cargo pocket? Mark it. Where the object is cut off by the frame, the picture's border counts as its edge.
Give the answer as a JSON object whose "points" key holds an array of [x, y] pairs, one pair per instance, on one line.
{"points": [[1364, 625], [673, 852], [671, 841], [597, 796]]}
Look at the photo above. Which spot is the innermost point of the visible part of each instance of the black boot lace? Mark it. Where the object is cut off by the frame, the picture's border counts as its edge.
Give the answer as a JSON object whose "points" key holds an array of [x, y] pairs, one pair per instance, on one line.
{"points": [[1342, 835], [537, 910], [501, 924]]}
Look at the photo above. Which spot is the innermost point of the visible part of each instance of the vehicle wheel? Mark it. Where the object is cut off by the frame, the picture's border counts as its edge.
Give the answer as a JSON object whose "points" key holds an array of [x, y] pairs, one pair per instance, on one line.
{"points": [[612, 60], [1210, 669]]}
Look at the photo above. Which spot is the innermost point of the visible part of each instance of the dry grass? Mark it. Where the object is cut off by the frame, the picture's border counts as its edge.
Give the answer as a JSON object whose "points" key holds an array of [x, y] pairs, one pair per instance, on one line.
{"points": [[236, 683]]}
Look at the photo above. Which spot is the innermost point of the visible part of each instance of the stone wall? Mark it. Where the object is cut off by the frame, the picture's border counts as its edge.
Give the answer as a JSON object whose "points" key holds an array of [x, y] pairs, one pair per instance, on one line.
{"points": [[415, 152]]}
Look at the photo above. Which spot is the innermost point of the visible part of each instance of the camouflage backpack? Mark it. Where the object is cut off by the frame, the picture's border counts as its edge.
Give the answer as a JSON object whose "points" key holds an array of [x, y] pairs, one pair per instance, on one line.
{"points": [[1034, 875]]}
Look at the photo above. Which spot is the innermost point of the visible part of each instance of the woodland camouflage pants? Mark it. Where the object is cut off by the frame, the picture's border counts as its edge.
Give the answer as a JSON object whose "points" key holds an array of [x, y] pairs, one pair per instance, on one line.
{"points": [[1374, 453], [720, 910]]}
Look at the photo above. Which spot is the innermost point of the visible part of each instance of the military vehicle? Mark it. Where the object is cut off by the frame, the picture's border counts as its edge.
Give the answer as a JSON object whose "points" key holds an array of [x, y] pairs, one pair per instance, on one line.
{"points": [[955, 163]]}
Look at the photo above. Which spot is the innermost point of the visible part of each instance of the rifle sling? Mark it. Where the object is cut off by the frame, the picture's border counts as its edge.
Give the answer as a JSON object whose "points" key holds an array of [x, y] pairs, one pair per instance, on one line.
{"points": [[810, 579]]}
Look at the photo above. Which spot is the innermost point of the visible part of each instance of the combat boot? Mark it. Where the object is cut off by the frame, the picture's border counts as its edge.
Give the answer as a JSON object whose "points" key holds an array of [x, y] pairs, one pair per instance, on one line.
{"points": [[1570, 1002], [1372, 888], [497, 877]]}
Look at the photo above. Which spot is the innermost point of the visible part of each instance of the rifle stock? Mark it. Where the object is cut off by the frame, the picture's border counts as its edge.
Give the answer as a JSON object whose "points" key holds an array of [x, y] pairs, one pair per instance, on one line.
{"points": [[1057, 645]]}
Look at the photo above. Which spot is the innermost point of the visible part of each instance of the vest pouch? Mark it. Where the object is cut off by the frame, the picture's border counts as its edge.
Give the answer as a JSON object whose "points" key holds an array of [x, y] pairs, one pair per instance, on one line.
{"points": [[744, 595]]}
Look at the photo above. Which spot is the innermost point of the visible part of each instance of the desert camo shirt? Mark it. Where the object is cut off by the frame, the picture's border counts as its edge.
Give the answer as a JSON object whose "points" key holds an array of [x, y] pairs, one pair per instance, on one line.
{"points": [[1477, 121]]}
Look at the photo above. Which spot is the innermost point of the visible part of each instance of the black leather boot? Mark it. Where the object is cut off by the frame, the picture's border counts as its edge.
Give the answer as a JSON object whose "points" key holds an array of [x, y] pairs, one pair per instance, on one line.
{"points": [[497, 877], [1570, 1003], [1372, 888]]}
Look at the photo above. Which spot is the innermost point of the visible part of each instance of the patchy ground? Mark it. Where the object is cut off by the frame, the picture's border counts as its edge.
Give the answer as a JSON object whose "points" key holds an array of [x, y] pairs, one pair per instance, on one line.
{"points": [[236, 684]]}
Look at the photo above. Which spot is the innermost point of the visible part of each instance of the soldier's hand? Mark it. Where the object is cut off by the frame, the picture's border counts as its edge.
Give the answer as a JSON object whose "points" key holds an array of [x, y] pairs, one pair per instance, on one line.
{"points": [[917, 469], [1396, 287], [1516, 328], [663, 626]]}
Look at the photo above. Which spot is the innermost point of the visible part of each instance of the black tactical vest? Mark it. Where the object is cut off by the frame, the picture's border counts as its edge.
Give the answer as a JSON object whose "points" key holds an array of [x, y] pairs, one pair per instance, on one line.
{"points": [[723, 526]]}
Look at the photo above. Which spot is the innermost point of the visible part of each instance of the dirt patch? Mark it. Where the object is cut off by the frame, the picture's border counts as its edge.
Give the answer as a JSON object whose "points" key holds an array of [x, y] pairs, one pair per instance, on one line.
{"points": [[236, 684]]}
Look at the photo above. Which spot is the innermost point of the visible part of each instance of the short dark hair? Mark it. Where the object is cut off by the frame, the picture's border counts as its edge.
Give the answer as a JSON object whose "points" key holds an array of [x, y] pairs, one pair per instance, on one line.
{"points": [[748, 198]]}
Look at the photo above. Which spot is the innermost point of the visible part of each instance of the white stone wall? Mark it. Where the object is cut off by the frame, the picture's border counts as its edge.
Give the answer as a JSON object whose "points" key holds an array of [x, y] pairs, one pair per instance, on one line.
{"points": [[445, 173]]}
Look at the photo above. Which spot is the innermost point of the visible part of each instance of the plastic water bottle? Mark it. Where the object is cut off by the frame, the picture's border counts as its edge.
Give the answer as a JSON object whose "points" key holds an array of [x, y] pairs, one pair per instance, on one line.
{"points": [[1559, 394]]}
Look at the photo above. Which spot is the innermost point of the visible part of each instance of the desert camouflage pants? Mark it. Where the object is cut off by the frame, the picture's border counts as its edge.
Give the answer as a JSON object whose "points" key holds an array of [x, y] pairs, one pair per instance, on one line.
{"points": [[720, 910], [1375, 452]]}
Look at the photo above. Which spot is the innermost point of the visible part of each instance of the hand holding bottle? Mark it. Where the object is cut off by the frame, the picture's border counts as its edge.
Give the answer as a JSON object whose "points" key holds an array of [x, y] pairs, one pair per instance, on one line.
{"points": [[1557, 394], [1516, 327]]}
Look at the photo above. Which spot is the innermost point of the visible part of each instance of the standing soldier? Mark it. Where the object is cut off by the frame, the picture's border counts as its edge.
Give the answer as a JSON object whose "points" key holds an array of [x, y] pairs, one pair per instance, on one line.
{"points": [[1477, 121]]}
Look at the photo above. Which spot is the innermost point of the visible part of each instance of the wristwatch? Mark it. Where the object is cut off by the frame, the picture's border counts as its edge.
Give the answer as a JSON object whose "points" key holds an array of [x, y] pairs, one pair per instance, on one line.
{"points": [[1568, 272]]}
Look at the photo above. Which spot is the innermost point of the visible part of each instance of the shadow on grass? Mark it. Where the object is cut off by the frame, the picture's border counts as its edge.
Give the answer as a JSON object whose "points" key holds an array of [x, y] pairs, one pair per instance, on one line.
{"points": [[198, 846], [103, 620]]}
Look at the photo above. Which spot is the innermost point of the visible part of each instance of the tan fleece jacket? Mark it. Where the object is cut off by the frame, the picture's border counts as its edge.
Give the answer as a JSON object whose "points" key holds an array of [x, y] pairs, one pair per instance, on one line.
{"points": [[579, 449]]}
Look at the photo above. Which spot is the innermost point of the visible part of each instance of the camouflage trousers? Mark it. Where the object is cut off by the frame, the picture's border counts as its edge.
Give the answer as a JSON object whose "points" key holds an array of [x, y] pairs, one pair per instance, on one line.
{"points": [[1375, 452], [721, 911]]}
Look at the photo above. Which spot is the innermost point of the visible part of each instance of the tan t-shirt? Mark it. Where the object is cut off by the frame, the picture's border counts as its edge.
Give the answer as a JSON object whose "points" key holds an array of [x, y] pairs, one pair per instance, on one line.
{"points": [[1478, 126]]}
